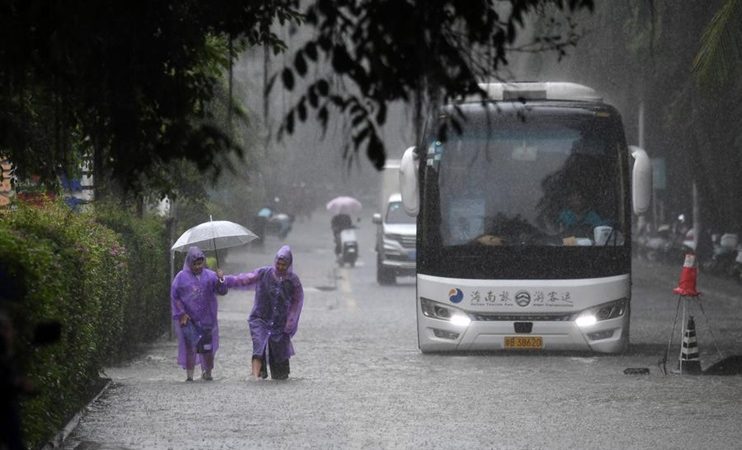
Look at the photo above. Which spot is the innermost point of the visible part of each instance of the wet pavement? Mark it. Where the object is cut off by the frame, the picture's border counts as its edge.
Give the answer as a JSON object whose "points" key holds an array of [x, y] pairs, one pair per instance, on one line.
{"points": [[359, 381]]}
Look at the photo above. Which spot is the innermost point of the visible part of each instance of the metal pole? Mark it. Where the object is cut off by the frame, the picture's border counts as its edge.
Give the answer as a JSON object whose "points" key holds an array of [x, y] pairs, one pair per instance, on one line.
{"points": [[696, 219], [683, 329], [213, 241], [669, 340]]}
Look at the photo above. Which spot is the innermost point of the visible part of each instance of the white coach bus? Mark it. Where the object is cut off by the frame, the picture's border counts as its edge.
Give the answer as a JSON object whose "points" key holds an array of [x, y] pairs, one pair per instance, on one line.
{"points": [[507, 256]]}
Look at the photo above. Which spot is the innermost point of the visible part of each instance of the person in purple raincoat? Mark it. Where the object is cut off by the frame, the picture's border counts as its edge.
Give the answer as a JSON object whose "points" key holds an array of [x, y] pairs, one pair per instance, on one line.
{"points": [[194, 310], [274, 318]]}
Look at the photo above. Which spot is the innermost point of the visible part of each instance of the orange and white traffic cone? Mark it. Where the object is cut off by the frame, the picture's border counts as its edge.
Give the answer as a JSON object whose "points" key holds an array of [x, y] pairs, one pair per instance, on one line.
{"points": [[689, 362], [687, 284]]}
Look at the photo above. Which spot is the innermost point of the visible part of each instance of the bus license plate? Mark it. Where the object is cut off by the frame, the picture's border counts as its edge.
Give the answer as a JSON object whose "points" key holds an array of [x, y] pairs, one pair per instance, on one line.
{"points": [[536, 342]]}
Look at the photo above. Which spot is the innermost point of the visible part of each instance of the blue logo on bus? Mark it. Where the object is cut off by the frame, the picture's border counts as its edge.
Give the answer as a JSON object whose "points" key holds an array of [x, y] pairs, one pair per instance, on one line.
{"points": [[455, 295]]}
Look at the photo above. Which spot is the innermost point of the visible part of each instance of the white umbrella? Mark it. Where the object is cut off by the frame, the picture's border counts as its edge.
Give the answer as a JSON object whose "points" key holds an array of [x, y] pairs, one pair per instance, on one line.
{"points": [[214, 235], [344, 205]]}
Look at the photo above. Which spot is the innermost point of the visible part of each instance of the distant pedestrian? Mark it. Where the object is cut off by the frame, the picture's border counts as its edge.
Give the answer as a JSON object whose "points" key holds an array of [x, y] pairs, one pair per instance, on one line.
{"points": [[274, 319], [261, 220], [194, 311]]}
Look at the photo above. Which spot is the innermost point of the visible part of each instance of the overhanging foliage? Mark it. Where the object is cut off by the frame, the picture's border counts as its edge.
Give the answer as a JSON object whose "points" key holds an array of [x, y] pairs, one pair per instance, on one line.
{"points": [[131, 82]]}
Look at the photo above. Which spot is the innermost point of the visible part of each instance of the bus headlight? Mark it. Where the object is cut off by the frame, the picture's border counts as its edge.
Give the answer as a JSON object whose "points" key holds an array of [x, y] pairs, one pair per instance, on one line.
{"points": [[460, 320], [438, 311], [602, 312]]}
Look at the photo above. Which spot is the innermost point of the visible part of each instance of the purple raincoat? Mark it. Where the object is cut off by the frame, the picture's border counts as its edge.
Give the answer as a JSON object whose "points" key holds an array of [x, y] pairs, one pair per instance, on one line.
{"points": [[195, 295], [278, 303]]}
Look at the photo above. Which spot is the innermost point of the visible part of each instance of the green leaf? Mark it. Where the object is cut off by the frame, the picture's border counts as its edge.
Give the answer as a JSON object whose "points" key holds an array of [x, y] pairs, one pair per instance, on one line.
{"points": [[323, 87], [311, 50], [288, 78], [300, 64], [302, 109]]}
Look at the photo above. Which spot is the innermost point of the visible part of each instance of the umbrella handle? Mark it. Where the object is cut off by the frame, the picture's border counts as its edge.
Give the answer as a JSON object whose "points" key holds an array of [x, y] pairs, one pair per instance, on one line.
{"points": [[213, 241]]}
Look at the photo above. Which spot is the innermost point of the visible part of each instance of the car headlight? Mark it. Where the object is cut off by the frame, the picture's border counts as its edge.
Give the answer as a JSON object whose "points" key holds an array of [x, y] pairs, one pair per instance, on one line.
{"points": [[436, 310], [599, 313]]}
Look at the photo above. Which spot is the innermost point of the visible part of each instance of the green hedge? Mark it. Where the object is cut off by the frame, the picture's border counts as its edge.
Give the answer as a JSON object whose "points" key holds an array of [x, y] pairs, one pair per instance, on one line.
{"points": [[106, 284], [147, 313]]}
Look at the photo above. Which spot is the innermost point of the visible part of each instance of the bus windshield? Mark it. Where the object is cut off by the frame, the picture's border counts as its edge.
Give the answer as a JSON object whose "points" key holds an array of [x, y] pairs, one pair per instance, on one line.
{"points": [[548, 178]]}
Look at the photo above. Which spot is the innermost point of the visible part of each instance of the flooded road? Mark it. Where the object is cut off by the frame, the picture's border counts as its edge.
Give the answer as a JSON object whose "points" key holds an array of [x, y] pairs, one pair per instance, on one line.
{"points": [[358, 379]]}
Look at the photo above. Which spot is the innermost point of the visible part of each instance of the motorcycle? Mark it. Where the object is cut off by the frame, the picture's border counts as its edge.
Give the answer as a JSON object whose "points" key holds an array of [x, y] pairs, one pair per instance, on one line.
{"points": [[669, 243], [656, 246], [348, 247], [723, 260], [279, 225]]}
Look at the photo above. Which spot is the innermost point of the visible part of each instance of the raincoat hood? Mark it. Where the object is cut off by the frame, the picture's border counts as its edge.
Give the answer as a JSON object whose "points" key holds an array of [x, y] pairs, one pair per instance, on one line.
{"points": [[285, 254], [194, 253]]}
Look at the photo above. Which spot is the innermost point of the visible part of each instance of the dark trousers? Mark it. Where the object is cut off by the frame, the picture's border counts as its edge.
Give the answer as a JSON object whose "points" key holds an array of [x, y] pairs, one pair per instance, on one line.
{"points": [[279, 370], [338, 250]]}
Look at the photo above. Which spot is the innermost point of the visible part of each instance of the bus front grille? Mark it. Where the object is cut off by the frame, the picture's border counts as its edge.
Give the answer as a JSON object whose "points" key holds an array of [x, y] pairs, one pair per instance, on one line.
{"points": [[556, 317]]}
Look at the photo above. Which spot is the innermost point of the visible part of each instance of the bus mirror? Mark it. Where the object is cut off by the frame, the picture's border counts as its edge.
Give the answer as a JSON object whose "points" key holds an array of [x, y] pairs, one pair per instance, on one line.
{"points": [[408, 185], [641, 180]]}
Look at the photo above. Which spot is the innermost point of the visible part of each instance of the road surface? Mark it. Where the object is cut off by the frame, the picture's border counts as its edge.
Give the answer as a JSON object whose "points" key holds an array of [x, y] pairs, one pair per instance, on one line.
{"points": [[359, 381]]}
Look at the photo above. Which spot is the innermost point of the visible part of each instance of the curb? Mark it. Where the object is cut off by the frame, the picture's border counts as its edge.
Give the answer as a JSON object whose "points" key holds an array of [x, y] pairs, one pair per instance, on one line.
{"points": [[63, 434]]}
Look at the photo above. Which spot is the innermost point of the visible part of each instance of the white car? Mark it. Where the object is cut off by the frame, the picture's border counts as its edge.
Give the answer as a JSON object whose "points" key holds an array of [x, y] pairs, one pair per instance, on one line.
{"points": [[396, 240]]}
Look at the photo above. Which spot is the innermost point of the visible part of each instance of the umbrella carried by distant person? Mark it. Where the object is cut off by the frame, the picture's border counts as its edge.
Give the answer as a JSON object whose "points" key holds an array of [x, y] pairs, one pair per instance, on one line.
{"points": [[344, 205], [214, 235]]}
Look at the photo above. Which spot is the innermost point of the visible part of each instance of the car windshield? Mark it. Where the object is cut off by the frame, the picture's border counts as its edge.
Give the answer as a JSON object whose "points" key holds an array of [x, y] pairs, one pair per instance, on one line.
{"points": [[395, 214]]}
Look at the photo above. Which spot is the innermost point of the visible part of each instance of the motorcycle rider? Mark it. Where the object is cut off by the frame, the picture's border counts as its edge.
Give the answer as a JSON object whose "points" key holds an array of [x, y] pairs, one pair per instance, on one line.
{"points": [[338, 223]]}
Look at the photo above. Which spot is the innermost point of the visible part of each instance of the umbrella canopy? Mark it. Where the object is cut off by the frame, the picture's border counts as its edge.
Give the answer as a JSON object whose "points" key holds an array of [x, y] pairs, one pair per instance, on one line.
{"points": [[214, 235], [344, 205]]}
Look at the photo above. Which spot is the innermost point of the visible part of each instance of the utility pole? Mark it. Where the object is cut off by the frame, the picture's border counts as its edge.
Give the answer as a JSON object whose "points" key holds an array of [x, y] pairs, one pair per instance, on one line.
{"points": [[696, 217], [640, 139]]}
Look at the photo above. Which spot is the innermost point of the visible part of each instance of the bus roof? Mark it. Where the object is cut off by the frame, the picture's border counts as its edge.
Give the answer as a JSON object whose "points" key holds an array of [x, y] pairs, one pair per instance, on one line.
{"points": [[524, 91]]}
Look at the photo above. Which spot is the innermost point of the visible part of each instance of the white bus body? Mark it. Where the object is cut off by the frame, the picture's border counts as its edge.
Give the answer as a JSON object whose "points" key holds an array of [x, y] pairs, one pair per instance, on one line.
{"points": [[499, 265]]}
